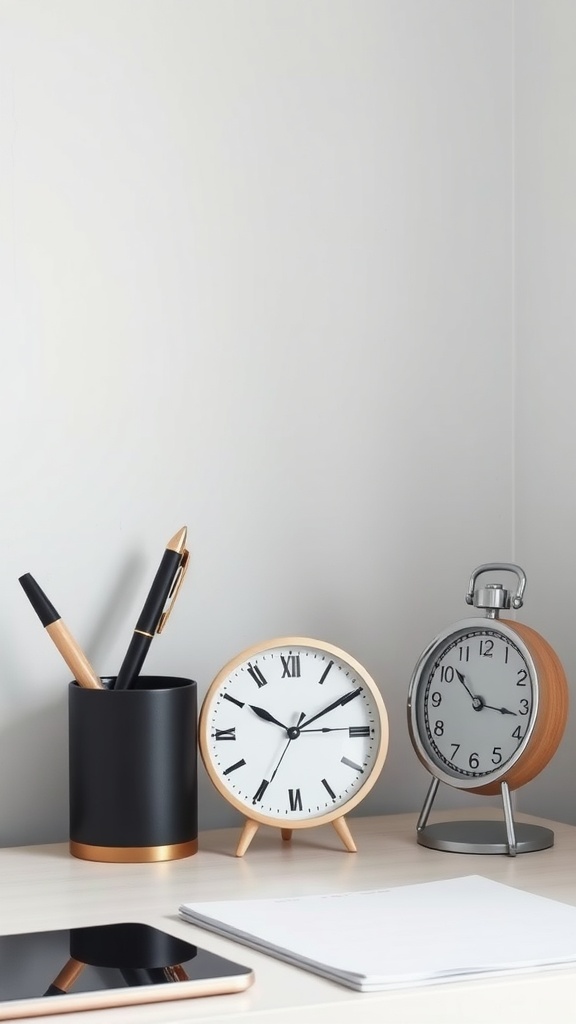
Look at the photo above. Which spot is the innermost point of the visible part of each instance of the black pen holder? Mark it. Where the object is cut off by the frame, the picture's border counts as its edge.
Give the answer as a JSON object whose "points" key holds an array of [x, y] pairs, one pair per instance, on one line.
{"points": [[133, 770]]}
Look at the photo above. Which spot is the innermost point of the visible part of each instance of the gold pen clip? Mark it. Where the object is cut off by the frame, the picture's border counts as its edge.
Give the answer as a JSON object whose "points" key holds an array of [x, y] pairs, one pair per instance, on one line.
{"points": [[178, 580]]}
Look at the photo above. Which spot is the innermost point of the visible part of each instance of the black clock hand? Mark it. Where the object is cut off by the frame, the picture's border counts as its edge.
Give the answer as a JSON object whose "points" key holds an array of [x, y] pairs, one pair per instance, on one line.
{"points": [[461, 678], [266, 782], [479, 702], [503, 711], [329, 728], [335, 704], [266, 716], [280, 761]]}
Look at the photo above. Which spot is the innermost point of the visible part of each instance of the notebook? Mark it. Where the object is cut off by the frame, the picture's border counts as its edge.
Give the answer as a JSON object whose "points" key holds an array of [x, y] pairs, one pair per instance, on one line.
{"points": [[425, 933]]}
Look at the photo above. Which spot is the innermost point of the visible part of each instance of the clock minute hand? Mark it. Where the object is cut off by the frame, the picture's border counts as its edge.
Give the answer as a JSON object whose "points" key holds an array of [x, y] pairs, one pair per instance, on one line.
{"points": [[335, 704], [468, 690]]}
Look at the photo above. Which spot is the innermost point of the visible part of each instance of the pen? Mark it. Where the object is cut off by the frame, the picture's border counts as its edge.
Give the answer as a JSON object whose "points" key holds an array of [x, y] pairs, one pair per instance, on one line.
{"points": [[74, 657], [64, 981], [153, 618]]}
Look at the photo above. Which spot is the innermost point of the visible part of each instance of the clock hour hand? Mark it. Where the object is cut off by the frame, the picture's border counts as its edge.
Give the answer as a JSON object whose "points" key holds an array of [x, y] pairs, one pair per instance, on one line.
{"points": [[503, 711], [335, 704], [479, 702], [266, 716]]}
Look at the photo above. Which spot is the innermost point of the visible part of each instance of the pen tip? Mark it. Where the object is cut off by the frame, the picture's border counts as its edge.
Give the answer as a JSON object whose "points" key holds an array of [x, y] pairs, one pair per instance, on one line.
{"points": [[178, 541], [44, 608]]}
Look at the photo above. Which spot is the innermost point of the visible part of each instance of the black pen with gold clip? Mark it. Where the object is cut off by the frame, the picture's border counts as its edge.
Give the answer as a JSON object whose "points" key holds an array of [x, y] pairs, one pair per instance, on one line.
{"points": [[153, 617]]}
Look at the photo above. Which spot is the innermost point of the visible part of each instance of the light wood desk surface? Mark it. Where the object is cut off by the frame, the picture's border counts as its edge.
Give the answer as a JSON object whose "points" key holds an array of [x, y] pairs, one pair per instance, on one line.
{"points": [[43, 887]]}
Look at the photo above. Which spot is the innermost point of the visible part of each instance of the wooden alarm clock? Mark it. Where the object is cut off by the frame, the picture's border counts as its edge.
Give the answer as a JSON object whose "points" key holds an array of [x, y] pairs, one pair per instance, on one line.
{"points": [[293, 733]]}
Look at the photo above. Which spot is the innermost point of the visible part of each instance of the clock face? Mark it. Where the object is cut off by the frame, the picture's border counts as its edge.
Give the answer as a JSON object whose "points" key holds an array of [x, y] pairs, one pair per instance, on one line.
{"points": [[293, 731], [472, 703]]}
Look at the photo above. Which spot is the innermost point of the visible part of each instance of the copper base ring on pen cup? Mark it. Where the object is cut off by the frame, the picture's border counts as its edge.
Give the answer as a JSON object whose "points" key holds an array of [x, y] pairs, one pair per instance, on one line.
{"points": [[133, 770]]}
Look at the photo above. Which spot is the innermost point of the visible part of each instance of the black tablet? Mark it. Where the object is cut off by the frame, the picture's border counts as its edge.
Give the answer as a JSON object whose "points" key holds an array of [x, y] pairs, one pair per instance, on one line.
{"points": [[107, 965]]}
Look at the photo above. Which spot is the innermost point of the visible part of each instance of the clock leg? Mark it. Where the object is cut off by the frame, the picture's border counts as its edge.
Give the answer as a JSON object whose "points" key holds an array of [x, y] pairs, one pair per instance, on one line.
{"points": [[427, 806], [248, 832], [344, 834], [509, 819], [286, 834]]}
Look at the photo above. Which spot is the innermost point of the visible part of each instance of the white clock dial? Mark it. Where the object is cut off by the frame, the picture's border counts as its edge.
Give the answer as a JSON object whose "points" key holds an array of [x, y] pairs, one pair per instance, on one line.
{"points": [[293, 732], [475, 703]]}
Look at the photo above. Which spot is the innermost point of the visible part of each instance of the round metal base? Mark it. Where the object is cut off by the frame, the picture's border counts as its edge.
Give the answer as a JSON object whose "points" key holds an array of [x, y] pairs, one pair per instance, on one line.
{"points": [[484, 837]]}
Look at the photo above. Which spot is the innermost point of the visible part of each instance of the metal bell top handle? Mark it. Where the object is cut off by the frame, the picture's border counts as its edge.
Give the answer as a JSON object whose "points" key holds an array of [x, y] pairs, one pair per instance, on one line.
{"points": [[517, 600]]}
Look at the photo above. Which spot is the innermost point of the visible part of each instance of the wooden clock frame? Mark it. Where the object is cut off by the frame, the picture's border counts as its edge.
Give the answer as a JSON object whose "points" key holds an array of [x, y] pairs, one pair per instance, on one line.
{"points": [[334, 817]]}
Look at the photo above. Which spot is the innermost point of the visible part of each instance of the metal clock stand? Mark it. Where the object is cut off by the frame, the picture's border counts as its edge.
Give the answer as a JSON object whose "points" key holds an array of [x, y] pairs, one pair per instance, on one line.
{"points": [[464, 836]]}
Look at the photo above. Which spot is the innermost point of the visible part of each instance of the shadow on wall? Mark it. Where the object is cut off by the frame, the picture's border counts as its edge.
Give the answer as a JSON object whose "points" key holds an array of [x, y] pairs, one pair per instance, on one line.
{"points": [[34, 776]]}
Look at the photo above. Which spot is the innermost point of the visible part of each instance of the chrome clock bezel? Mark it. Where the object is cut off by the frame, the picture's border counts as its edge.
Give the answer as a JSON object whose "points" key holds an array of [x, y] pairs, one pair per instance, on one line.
{"points": [[419, 678]]}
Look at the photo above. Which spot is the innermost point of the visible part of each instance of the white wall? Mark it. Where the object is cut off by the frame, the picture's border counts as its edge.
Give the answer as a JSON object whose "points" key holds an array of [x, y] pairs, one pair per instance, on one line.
{"points": [[546, 350], [256, 266]]}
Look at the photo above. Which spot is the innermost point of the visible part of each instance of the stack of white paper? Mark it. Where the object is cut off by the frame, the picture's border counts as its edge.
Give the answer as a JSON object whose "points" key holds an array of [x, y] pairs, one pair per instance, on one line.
{"points": [[410, 935]]}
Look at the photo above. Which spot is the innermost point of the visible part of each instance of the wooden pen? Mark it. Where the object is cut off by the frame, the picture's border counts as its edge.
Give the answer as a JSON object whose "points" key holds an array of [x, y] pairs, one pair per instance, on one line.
{"points": [[60, 635]]}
